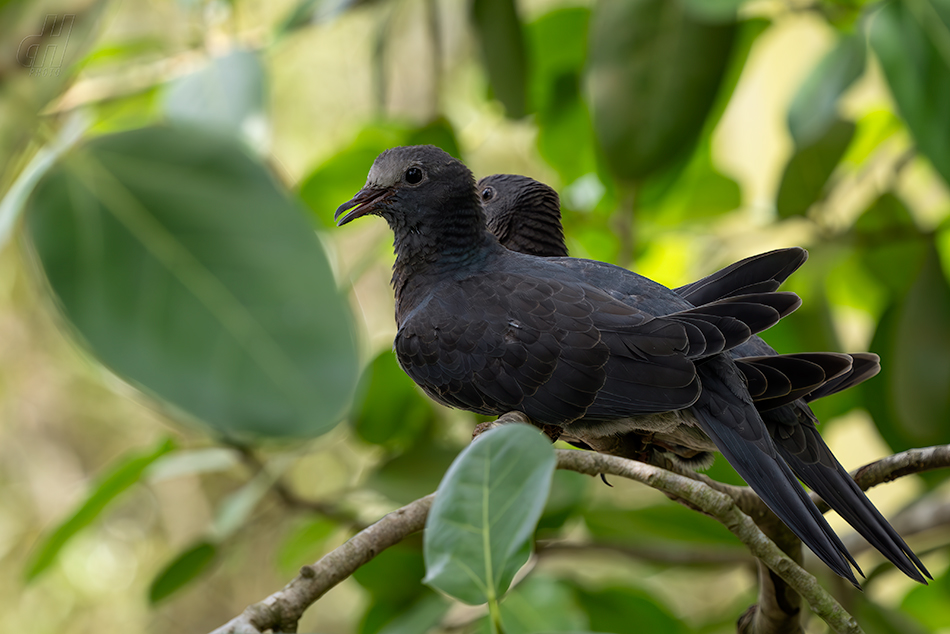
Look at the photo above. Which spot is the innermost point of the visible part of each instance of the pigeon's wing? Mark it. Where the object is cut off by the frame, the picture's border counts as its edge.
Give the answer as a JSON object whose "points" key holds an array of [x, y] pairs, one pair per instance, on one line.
{"points": [[548, 347], [498, 342], [737, 318], [864, 365], [758, 273], [792, 427]]}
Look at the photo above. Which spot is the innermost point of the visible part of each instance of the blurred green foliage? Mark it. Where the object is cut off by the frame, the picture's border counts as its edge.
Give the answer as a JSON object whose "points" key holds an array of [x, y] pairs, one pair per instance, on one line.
{"points": [[170, 172]]}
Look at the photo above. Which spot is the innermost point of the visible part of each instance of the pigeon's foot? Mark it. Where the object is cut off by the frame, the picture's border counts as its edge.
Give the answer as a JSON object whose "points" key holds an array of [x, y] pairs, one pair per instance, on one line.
{"points": [[553, 432]]}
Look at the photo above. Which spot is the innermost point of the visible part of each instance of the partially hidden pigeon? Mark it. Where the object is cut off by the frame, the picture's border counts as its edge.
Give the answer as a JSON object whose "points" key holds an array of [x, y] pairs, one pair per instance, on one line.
{"points": [[491, 330], [525, 216]]}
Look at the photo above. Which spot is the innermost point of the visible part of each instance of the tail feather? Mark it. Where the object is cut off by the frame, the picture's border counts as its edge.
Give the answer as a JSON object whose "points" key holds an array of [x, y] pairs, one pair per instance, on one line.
{"points": [[826, 477], [739, 433]]}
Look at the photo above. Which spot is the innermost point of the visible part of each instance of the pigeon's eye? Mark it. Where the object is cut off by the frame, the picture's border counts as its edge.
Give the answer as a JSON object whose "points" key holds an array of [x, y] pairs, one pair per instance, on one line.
{"points": [[488, 193], [413, 175]]}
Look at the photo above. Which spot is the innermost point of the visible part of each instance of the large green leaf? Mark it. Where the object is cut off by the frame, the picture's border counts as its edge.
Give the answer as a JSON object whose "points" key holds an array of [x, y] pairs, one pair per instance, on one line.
{"points": [[393, 411], [227, 94], [485, 510], [652, 77], [909, 400], [912, 41], [815, 106], [127, 471], [502, 42], [920, 380], [807, 172], [557, 43], [190, 274], [180, 571]]}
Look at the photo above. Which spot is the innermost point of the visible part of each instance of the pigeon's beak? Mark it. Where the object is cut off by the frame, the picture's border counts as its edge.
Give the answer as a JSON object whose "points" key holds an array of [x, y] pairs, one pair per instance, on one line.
{"points": [[365, 202]]}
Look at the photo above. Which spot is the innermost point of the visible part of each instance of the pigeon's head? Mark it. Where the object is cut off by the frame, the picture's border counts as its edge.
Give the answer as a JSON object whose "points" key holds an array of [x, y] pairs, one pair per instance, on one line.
{"points": [[415, 188], [524, 215]]}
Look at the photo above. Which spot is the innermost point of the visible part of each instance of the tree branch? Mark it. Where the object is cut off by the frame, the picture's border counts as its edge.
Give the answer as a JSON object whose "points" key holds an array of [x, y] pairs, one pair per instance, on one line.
{"points": [[723, 508], [890, 468], [284, 608]]}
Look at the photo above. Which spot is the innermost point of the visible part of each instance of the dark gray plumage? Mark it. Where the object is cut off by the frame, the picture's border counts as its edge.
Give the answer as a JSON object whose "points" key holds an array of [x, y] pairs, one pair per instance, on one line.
{"points": [[491, 330], [780, 385]]}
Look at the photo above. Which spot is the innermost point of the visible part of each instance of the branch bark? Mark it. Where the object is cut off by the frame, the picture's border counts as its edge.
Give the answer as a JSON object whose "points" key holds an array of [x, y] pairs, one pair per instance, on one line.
{"points": [[283, 609], [723, 508]]}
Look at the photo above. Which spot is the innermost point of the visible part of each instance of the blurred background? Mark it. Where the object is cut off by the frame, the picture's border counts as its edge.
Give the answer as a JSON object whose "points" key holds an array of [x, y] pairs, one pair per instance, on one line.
{"points": [[171, 450]]}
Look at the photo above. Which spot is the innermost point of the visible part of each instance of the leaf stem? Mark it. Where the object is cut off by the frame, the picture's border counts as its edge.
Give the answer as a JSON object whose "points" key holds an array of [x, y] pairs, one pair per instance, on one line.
{"points": [[494, 615]]}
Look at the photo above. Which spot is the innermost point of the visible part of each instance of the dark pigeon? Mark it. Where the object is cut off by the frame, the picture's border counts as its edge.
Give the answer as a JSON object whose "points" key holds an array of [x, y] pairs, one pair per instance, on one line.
{"points": [[525, 215], [490, 330]]}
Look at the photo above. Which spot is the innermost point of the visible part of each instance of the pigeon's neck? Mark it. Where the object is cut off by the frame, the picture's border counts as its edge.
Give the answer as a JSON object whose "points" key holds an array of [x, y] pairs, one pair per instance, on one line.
{"points": [[538, 233], [439, 251]]}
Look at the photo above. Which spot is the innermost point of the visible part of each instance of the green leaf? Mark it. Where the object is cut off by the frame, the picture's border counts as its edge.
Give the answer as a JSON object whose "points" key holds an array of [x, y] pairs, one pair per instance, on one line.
{"points": [[191, 462], [930, 605], [227, 94], [877, 619], [613, 609], [485, 510], [125, 472], [542, 604], [393, 412], [403, 562], [414, 473], [499, 32], [663, 523], [912, 41], [890, 244], [13, 202], [304, 543], [700, 193], [652, 77], [557, 46], [920, 357], [909, 399], [181, 570], [713, 10], [815, 106], [238, 506], [190, 274], [569, 492], [422, 615], [807, 172]]}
